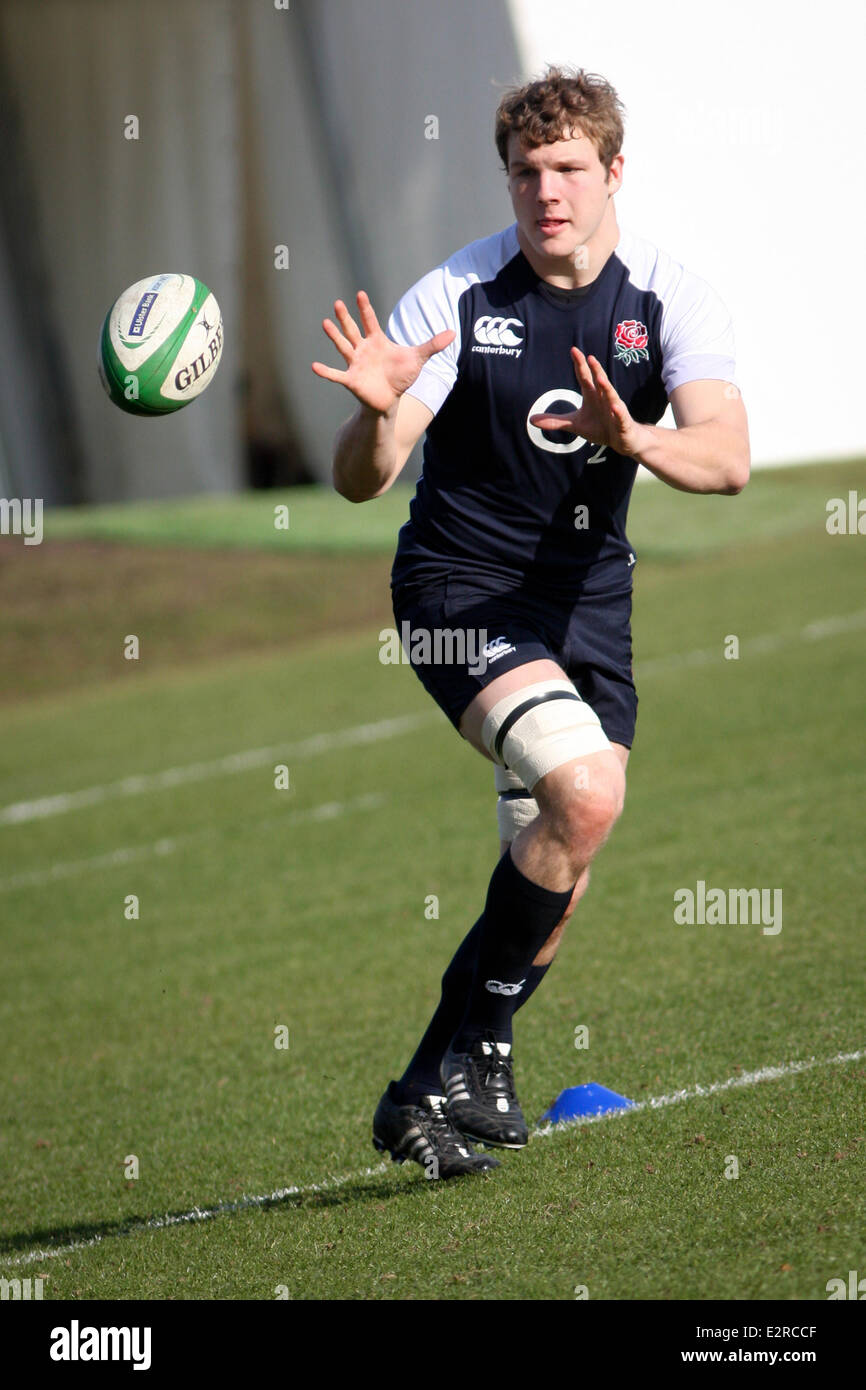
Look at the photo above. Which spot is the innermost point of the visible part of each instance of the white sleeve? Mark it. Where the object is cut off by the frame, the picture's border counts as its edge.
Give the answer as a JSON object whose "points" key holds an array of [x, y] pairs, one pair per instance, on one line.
{"points": [[428, 308], [697, 336]]}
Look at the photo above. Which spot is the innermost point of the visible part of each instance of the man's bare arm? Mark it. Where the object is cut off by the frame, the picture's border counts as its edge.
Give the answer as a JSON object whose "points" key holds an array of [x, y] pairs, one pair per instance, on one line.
{"points": [[371, 448], [709, 450]]}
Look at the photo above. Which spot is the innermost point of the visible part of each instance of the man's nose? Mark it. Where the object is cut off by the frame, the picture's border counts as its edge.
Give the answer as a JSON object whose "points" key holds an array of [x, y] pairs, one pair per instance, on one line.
{"points": [[548, 186]]}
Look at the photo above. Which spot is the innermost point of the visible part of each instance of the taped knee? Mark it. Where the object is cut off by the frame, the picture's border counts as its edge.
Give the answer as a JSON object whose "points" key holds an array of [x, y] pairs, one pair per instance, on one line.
{"points": [[541, 727], [515, 806]]}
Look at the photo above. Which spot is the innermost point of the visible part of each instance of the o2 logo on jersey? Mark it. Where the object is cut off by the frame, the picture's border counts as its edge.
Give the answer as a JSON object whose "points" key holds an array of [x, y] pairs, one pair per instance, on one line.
{"points": [[541, 405], [497, 335]]}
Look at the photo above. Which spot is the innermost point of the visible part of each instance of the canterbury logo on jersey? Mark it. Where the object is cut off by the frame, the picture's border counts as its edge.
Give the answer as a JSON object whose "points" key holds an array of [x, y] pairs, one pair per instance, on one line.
{"points": [[497, 987], [498, 646], [501, 336]]}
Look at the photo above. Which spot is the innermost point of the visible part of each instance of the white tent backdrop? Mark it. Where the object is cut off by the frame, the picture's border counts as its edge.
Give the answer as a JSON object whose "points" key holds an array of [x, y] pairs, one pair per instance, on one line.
{"points": [[743, 149], [309, 128], [111, 210], [259, 127]]}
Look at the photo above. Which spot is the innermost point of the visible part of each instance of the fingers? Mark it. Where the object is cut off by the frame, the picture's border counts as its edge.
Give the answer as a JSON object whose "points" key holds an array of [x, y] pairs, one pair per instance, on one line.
{"points": [[340, 342], [595, 381], [581, 370], [347, 323], [555, 422], [437, 343], [592, 375], [347, 340], [601, 376], [609, 395], [368, 314], [329, 373]]}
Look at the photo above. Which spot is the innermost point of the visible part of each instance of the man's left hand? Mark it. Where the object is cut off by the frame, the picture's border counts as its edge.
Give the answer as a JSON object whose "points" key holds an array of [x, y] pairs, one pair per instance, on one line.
{"points": [[603, 417]]}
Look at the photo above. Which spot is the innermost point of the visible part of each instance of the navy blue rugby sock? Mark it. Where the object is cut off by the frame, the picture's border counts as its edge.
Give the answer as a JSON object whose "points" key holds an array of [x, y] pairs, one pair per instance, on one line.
{"points": [[421, 1077], [518, 918]]}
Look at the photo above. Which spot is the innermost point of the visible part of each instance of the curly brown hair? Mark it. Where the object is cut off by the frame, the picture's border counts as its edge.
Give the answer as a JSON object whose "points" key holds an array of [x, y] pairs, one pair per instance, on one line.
{"points": [[553, 105]]}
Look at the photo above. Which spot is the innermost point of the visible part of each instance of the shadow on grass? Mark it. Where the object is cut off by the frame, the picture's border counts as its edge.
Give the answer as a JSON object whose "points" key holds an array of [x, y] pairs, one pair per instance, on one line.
{"points": [[45, 1241]]}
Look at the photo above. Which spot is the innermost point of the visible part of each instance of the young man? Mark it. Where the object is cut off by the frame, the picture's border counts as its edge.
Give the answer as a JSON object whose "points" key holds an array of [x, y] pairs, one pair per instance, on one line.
{"points": [[537, 361]]}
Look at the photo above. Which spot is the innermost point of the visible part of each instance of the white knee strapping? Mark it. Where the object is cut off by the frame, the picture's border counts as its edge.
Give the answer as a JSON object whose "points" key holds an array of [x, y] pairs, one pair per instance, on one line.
{"points": [[541, 727], [516, 807]]}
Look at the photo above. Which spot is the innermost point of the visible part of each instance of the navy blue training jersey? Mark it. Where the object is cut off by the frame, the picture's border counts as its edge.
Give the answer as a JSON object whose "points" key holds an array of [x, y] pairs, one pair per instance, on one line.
{"points": [[498, 497]]}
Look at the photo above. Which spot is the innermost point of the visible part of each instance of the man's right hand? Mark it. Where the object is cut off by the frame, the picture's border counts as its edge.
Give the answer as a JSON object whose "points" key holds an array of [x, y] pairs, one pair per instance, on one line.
{"points": [[378, 371]]}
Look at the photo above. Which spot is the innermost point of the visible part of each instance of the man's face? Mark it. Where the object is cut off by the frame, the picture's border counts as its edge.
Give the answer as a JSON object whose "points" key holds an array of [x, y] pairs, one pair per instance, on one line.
{"points": [[560, 194]]}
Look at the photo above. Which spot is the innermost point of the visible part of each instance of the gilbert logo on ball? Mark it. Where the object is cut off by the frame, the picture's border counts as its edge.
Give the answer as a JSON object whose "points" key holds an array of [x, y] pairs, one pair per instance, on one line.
{"points": [[161, 344]]}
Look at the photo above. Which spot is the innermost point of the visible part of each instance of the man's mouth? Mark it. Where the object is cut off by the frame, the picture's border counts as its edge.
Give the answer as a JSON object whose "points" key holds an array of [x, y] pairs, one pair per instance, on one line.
{"points": [[551, 225]]}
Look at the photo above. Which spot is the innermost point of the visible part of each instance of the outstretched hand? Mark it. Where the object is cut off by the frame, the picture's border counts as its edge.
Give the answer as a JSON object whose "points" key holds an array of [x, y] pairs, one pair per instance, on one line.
{"points": [[603, 417], [378, 371]]}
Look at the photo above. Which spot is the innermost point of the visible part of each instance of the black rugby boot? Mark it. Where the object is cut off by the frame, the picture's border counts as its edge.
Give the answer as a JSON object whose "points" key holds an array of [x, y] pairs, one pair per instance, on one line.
{"points": [[482, 1103], [424, 1132]]}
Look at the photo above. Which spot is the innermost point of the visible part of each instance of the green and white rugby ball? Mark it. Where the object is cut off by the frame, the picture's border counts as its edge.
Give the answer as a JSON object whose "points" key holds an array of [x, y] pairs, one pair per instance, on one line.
{"points": [[161, 344]]}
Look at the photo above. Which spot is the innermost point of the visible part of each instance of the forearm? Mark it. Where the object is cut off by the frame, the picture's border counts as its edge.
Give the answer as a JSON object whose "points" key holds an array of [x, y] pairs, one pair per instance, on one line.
{"points": [[710, 457], [365, 455]]}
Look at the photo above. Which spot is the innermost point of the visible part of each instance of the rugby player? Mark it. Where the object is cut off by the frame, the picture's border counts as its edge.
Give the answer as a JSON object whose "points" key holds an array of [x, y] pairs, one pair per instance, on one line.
{"points": [[537, 361]]}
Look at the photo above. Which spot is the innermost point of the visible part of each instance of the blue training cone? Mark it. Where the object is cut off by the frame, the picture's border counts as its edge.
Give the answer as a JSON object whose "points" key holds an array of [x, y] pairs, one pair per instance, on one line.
{"points": [[590, 1099]]}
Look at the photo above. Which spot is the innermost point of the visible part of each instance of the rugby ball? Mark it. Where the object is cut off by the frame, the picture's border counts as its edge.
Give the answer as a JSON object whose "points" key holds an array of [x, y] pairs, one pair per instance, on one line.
{"points": [[161, 344]]}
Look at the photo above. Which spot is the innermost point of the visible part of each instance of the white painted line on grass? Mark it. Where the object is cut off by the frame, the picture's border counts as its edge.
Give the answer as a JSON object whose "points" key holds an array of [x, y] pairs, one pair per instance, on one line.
{"points": [[156, 1223], [325, 811], [19, 812], [757, 646], [746, 1078]]}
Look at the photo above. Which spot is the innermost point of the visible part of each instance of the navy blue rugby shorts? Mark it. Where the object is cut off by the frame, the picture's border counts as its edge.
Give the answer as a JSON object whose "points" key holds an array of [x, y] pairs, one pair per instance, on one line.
{"points": [[590, 639]]}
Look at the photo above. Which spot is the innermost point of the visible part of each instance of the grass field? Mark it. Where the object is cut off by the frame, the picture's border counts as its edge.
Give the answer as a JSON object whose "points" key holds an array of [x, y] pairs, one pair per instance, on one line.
{"points": [[155, 1036]]}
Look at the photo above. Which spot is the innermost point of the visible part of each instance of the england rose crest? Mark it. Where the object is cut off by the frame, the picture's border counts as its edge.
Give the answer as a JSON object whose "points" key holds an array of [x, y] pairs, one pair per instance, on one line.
{"points": [[631, 339]]}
